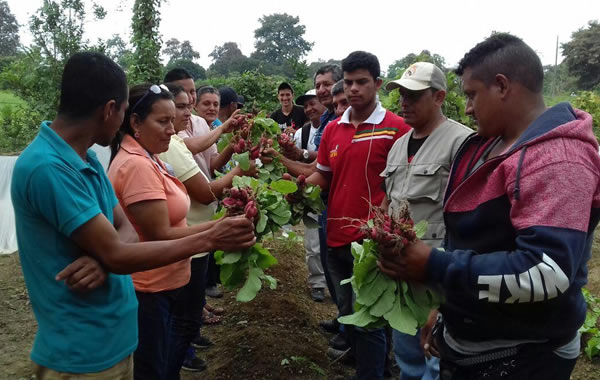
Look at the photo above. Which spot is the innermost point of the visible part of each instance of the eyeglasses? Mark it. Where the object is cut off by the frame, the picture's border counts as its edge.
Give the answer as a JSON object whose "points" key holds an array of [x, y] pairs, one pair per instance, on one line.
{"points": [[155, 88]]}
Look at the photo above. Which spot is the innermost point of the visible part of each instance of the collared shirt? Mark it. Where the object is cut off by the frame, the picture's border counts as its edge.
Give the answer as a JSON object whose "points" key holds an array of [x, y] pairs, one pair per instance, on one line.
{"points": [[184, 166], [54, 192], [355, 156], [422, 180], [199, 127], [136, 177], [326, 118], [310, 146]]}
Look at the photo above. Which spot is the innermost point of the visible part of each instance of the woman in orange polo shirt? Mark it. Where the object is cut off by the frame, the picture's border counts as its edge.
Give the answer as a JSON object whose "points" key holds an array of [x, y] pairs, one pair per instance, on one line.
{"points": [[156, 204]]}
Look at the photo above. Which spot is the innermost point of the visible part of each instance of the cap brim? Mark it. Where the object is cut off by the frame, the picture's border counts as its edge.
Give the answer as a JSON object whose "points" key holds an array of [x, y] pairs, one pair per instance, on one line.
{"points": [[301, 99], [408, 84]]}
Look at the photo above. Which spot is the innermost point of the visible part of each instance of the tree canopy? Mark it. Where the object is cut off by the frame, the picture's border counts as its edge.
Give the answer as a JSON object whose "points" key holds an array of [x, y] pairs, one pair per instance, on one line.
{"points": [[396, 69], [146, 39], [176, 50], [9, 31], [583, 55], [280, 38]]}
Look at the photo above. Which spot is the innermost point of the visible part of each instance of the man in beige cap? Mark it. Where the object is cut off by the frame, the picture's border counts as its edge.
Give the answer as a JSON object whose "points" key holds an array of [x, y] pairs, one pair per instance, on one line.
{"points": [[417, 170]]}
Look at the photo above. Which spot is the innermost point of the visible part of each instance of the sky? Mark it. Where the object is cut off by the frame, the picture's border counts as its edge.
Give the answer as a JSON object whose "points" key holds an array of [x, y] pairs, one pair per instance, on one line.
{"points": [[388, 29]]}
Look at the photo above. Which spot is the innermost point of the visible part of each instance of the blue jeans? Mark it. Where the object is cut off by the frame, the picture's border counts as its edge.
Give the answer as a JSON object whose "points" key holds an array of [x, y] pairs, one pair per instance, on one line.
{"points": [[155, 321], [411, 358], [369, 346]]}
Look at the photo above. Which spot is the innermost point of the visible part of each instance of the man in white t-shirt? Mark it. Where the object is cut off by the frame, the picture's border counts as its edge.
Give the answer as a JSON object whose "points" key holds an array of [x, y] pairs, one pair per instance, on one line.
{"points": [[304, 139]]}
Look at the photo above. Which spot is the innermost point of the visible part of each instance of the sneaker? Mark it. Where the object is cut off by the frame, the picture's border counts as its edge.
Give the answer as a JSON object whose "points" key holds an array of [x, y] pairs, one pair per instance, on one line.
{"points": [[339, 342], [344, 357], [331, 326], [317, 294], [214, 292], [194, 364], [201, 341]]}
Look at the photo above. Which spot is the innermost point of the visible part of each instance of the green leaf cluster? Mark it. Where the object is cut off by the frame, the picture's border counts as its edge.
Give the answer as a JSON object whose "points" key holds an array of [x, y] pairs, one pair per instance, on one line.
{"points": [[589, 102], [382, 301], [246, 269], [590, 326], [311, 202]]}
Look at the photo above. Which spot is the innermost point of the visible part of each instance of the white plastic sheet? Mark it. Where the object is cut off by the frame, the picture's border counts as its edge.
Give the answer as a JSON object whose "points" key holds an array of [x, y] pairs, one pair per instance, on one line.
{"points": [[103, 154], [8, 234]]}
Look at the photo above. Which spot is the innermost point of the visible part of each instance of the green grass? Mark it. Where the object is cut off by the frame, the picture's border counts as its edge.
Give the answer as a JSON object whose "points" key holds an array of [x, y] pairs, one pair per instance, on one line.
{"points": [[553, 100], [8, 98]]}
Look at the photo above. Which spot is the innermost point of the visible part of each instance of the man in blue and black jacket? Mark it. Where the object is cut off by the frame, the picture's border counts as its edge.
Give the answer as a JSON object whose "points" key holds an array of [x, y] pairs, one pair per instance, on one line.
{"points": [[521, 206]]}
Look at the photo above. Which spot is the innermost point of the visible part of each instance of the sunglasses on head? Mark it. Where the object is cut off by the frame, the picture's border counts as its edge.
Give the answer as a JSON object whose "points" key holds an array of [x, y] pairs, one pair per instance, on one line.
{"points": [[155, 89]]}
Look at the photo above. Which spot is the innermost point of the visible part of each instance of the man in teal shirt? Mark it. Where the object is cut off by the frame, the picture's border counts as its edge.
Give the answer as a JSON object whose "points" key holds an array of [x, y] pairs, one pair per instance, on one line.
{"points": [[68, 221]]}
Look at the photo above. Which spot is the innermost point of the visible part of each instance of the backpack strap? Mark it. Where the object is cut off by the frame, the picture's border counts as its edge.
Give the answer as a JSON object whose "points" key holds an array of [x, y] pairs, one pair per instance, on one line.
{"points": [[305, 134]]}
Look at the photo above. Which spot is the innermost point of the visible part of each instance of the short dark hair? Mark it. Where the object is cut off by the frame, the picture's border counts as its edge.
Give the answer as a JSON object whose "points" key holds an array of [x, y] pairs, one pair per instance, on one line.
{"points": [[206, 90], [176, 74], [285, 86], [142, 99], [337, 88], [174, 89], [362, 60], [335, 70], [89, 81], [228, 96], [503, 53]]}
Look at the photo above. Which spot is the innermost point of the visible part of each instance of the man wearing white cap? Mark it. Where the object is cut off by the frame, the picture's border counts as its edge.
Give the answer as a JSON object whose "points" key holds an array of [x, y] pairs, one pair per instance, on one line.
{"points": [[417, 170], [305, 141]]}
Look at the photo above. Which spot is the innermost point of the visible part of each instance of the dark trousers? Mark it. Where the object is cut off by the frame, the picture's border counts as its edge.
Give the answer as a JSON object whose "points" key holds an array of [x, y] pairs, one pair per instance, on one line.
{"points": [[213, 271], [155, 322], [369, 345], [541, 366], [187, 314], [324, 250]]}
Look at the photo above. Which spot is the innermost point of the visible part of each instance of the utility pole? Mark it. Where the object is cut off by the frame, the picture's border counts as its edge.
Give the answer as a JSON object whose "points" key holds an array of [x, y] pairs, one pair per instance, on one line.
{"points": [[555, 84]]}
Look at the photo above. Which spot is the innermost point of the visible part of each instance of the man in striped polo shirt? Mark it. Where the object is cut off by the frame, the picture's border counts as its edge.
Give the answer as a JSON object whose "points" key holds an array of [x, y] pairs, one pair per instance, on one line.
{"points": [[352, 153]]}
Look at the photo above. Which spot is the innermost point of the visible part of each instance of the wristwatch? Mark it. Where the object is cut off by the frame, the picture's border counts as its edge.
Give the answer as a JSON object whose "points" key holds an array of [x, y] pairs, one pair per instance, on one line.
{"points": [[305, 154]]}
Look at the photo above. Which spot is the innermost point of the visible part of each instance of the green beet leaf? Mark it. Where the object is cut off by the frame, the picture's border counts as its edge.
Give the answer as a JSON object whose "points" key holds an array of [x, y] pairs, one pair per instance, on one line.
{"points": [[230, 257], [419, 311], [420, 229], [386, 301], [281, 220], [270, 280], [357, 250], [400, 317], [251, 287], [284, 186], [370, 293], [262, 222], [361, 318], [243, 159]]}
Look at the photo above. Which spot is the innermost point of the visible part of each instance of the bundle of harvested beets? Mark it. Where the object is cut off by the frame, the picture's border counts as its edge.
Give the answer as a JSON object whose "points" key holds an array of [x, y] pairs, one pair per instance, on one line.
{"points": [[266, 205], [250, 140], [381, 300], [305, 203]]}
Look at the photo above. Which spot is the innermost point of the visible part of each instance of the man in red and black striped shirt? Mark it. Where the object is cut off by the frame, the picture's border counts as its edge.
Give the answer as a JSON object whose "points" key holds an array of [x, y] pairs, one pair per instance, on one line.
{"points": [[352, 153]]}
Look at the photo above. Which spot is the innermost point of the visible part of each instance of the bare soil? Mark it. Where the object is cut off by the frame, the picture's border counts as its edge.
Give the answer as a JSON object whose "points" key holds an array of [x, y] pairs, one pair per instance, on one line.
{"points": [[276, 336]]}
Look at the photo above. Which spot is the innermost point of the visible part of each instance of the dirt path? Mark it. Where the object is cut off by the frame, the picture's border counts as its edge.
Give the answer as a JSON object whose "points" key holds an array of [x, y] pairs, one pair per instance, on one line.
{"points": [[276, 336]]}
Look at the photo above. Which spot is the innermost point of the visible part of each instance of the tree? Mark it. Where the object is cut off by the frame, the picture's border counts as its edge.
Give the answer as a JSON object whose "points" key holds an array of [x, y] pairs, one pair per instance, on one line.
{"points": [[195, 70], [9, 31], [280, 38], [146, 39], [396, 69], [57, 28], [176, 50], [228, 58], [583, 55]]}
